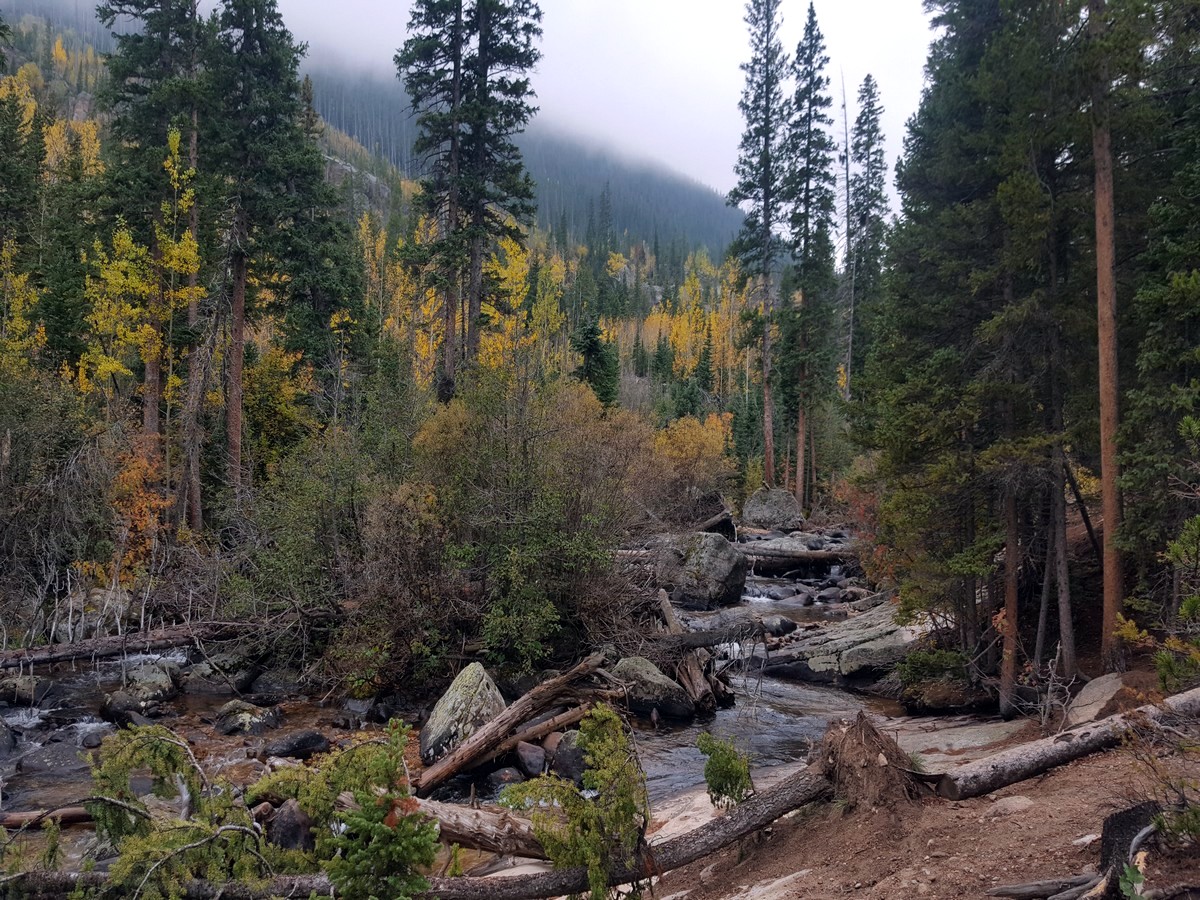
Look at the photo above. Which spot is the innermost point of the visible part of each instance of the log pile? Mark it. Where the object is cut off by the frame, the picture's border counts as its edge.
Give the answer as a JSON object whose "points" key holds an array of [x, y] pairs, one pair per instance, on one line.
{"points": [[114, 645]]}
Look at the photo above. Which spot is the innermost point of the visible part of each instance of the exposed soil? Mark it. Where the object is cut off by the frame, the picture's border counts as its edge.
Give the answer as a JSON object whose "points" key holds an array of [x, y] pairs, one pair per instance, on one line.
{"points": [[938, 849]]}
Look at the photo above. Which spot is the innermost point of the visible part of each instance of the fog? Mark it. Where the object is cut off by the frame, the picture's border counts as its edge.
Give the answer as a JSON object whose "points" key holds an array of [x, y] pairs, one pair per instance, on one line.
{"points": [[659, 79]]}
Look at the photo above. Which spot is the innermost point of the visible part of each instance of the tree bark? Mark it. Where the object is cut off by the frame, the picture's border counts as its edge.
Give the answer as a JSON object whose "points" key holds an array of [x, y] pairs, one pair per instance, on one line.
{"points": [[96, 648], [801, 458], [1012, 568], [690, 673], [768, 399], [1018, 763], [1106, 326], [187, 493], [237, 352], [477, 747]]}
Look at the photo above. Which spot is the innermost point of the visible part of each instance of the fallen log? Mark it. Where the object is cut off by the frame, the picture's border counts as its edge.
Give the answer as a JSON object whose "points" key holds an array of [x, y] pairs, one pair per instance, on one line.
{"points": [[478, 746], [539, 731], [1026, 760], [67, 815], [115, 645], [1039, 890]]}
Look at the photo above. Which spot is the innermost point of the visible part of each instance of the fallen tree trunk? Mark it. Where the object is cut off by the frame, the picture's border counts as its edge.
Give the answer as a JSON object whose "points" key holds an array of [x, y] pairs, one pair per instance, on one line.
{"points": [[478, 746], [68, 815], [539, 731], [689, 671], [115, 645], [1018, 763]]}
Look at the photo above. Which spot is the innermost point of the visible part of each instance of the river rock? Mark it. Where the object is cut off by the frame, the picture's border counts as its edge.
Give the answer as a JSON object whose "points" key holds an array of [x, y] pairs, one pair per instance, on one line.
{"points": [[471, 700], [24, 690], [124, 710], [531, 759], [810, 540], [59, 759], [701, 571], [152, 682], [865, 645], [291, 828], [1096, 694], [221, 673], [568, 758], [96, 613], [778, 626], [240, 717], [8, 740], [772, 508], [502, 778], [279, 683], [830, 595], [648, 689], [301, 744]]}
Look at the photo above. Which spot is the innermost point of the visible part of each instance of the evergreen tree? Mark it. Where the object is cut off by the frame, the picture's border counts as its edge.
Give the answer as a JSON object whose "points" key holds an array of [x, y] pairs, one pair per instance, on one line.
{"points": [[600, 367], [254, 70], [760, 171], [5, 40], [868, 213]]}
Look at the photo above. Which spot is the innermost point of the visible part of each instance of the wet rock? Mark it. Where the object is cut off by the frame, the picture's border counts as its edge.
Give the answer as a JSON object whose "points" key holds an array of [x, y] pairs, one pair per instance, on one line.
{"points": [[531, 759], [648, 689], [152, 682], [221, 673], [302, 744], [8, 740], [278, 683], [240, 717], [809, 540], [772, 508], [778, 626], [568, 758], [502, 778], [830, 595], [291, 828], [93, 737], [60, 759], [124, 710], [550, 742], [701, 571], [24, 690], [471, 700], [1088, 704]]}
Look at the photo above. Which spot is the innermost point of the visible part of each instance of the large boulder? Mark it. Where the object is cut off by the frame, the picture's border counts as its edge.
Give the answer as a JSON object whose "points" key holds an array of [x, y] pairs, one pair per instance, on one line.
{"points": [[8, 740], [471, 700], [772, 508], [24, 690], [152, 682], [301, 744], [1095, 696], [568, 758], [648, 689], [53, 759], [701, 571], [240, 717], [291, 828]]}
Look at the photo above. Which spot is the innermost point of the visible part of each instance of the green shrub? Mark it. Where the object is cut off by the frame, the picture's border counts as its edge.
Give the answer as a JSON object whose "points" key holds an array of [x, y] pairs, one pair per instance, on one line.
{"points": [[726, 771], [926, 665]]}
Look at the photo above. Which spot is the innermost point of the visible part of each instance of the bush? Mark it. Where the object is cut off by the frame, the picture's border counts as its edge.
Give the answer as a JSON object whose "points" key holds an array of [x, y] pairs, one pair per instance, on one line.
{"points": [[928, 665], [726, 771]]}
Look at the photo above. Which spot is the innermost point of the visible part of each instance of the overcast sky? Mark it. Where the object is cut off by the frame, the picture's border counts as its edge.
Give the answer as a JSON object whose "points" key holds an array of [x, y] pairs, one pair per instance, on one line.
{"points": [[661, 78]]}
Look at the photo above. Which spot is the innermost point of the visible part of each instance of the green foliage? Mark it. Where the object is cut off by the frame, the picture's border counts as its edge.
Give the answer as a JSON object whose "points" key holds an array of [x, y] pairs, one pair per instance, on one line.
{"points": [[386, 840], [726, 771], [1131, 882], [598, 831], [600, 366], [926, 665]]}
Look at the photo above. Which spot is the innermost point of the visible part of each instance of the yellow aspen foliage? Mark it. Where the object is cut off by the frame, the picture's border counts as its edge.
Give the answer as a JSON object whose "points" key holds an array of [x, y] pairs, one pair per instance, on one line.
{"points": [[697, 453], [21, 338], [615, 264], [59, 54], [67, 141], [14, 86], [277, 387], [510, 270], [547, 319]]}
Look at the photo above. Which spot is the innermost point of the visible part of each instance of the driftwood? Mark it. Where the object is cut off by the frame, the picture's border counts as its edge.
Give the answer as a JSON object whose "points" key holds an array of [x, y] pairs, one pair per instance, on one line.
{"points": [[67, 815], [690, 671], [116, 645], [480, 745], [1038, 890], [1018, 763]]}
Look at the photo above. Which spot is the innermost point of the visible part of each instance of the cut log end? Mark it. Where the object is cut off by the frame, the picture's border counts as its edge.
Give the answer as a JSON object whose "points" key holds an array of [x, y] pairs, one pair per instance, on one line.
{"points": [[866, 767]]}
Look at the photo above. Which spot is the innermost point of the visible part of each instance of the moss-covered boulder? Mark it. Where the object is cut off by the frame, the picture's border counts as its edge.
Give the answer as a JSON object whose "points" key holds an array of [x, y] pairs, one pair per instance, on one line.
{"points": [[649, 689], [700, 571], [471, 700]]}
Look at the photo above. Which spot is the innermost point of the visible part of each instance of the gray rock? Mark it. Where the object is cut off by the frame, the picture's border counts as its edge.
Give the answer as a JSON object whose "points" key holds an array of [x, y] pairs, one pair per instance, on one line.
{"points": [[808, 539], [701, 571], [151, 682], [648, 689], [221, 673], [1096, 694], [58, 759], [278, 683], [1009, 806], [531, 759], [302, 744], [8, 740], [24, 690], [471, 700], [778, 626], [123, 709], [568, 758], [772, 508], [830, 595], [291, 828], [240, 717], [502, 778]]}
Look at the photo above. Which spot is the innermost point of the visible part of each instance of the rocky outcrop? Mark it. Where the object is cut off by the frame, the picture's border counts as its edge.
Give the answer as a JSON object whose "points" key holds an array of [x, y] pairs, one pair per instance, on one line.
{"points": [[863, 646], [1089, 704], [649, 690], [700, 571], [471, 700], [772, 508]]}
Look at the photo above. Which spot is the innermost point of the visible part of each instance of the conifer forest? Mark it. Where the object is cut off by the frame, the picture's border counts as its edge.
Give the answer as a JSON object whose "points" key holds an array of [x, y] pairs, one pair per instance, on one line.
{"points": [[368, 402]]}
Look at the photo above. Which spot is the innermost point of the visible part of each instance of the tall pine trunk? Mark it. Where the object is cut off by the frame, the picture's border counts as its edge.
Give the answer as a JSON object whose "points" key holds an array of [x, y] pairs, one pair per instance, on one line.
{"points": [[1106, 326], [237, 352], [768, 399], [452, 296], [801, 458], [1058, 499], [191, 456], [1012, 550]]}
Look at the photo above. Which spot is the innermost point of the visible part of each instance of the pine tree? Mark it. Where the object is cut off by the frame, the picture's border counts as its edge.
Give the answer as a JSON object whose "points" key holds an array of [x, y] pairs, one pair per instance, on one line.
{"points": [[760, 171], [868, 212], [254, 69], [599, 368], [5, 39]]}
